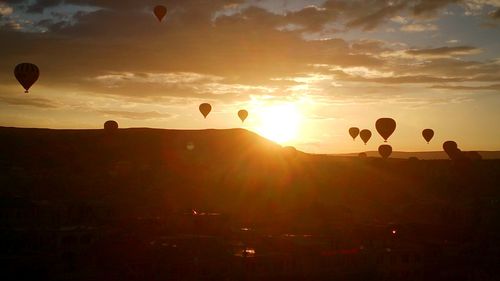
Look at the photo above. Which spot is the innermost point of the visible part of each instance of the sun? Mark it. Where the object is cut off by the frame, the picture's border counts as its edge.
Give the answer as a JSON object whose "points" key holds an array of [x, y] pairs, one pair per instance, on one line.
{"points": [[279, 123]]}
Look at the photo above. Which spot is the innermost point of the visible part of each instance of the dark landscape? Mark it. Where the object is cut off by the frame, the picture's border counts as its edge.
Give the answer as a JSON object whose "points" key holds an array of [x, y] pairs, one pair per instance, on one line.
{"points": [[153, 204]]}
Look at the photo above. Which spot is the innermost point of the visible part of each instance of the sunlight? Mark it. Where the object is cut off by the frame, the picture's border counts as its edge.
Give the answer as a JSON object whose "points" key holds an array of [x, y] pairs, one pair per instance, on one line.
{"points": [[279, 123]]}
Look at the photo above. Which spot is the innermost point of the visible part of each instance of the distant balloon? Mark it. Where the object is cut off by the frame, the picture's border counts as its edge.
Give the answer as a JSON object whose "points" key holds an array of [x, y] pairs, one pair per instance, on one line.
{"points": [[243, 114], [160, 11], [205, 109], [385, 151], [385, 127], [365, 135], [451, 148], [26, 74], [428, 134], [110, 125], [354, 132]]}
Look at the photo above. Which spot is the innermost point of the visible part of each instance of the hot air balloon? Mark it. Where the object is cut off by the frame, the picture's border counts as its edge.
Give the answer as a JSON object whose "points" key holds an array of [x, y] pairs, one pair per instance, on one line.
{"points": [[110, 125], [385, 127], [365, 135], [428, 134], [354, 132], [205, 109], [451, 148], [385, 150], [160, 11], [243, 114], [26, 74]]}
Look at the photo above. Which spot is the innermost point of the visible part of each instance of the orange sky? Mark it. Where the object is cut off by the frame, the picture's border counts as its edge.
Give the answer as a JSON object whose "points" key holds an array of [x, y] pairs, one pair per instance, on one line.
{"points": [[305, 70]]}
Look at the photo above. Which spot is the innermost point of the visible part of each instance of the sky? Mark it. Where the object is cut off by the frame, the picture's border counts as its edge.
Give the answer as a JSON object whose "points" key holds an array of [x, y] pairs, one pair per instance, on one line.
{"points": [[306, 71]]}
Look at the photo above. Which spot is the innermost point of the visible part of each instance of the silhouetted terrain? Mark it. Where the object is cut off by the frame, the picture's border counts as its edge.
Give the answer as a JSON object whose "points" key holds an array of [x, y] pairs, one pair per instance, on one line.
{"points": [[424, 155], [206, 193]]}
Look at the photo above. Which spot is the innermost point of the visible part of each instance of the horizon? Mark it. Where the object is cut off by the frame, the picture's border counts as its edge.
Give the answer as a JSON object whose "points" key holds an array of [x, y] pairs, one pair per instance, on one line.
{"points": [[306, 71]]}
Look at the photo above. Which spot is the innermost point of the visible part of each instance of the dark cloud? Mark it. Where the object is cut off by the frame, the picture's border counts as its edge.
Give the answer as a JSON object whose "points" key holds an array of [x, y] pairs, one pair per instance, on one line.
{"points": [[40, 5], [450, 51], [378, 16], [312, 18], [423, 7], [496, 14], [493, 87], [414, 79], [244, 49]]}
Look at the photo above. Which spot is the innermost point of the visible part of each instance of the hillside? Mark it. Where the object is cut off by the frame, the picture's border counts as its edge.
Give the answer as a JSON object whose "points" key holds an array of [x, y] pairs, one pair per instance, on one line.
{"points": [[153, 171]]}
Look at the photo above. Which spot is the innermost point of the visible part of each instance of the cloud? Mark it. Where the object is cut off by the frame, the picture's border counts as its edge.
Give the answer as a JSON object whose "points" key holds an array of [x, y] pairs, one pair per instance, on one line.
{"points": [[120, 50], [415, 79], [418, 27], [136, 115], [445, 51], [5, 10], [40, 5], [114, 79], [377, 16], [11, 25], [29, 101], [492, 87], [430, 7], [495, 14]]}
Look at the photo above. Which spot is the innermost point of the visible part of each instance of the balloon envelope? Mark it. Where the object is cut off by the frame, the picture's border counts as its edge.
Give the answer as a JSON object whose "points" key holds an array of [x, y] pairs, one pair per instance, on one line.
{"points": [[385, 127], [243, 114], [26, 74], [160, 11], [354, 132], [110, 125], [365, 135], [428, 134], [205, 109], [385, 150], [451, 148]]}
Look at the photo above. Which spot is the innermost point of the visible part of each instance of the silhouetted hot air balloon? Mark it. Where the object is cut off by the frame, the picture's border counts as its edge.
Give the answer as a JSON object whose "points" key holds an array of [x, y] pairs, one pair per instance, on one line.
{"points": [[110, 125], [160, 11], [354, 132], [428, 134], [243, 114], [451, 148], [205, 109], [385, 127], [26, 74], [385, 150], [365, 135]]}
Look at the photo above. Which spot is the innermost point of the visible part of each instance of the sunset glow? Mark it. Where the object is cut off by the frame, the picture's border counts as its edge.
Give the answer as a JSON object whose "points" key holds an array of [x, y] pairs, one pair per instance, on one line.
{"points": [[279, 123], [425, 65]]}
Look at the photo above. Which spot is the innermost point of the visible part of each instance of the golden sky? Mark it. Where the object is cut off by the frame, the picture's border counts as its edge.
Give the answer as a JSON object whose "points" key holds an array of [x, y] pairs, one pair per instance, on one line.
{"points": [[305, 70]]}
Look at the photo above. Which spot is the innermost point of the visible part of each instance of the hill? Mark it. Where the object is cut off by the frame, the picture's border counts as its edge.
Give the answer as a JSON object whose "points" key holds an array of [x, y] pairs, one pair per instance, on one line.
{"points": [[144, 171]]}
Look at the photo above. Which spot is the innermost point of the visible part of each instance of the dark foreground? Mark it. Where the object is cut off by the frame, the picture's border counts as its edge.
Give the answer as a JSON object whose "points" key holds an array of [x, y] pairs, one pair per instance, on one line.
{"points": [[142, 204]]}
